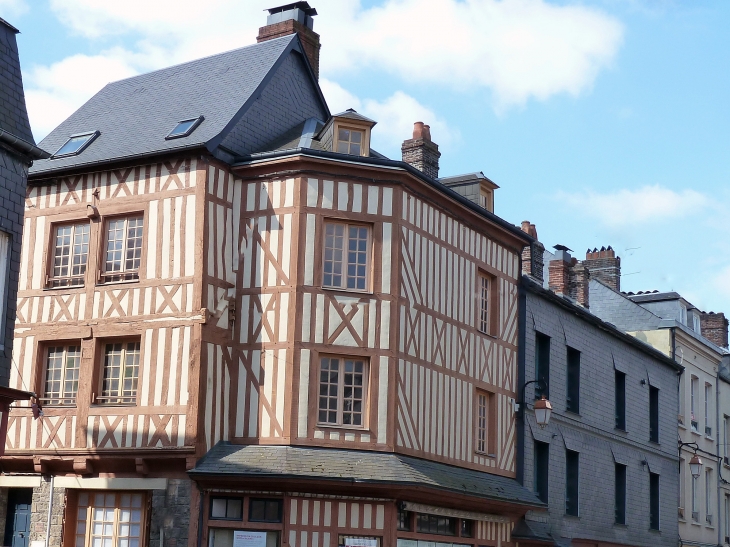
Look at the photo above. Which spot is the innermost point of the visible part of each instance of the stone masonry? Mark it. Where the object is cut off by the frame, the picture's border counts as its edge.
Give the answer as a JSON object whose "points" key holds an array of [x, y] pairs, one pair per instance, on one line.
{"points": [[714, 328], [605, 265], [171, 514], [39, 513], [421, 152]]}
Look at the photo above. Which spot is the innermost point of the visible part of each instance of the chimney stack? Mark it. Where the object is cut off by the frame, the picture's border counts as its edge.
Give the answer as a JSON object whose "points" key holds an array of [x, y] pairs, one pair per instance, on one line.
{"points": [[568, 277], [294, 18], [605, 265], [714, 328], [421, 152], [532, 261]]}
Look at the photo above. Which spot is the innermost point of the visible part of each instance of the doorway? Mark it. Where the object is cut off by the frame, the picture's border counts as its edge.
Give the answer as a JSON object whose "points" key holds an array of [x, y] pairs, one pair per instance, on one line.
{"points": [[17, 525]]}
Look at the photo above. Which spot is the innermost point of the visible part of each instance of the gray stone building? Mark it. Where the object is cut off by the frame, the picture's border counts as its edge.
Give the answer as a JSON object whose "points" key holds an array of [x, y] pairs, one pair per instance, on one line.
{"points": [[606, 464]]}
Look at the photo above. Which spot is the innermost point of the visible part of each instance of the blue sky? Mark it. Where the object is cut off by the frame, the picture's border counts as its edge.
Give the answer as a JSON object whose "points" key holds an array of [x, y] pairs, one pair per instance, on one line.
{"points": [[605, 122]]}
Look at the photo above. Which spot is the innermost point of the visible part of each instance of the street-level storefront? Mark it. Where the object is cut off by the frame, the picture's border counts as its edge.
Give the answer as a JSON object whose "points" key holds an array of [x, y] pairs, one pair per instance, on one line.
{"points": [[282, 496]]}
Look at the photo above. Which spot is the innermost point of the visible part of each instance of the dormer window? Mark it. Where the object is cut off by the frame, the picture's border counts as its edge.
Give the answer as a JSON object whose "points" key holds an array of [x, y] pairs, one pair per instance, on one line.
{"points": [[349, 141], [75, 144], [184, 128]]}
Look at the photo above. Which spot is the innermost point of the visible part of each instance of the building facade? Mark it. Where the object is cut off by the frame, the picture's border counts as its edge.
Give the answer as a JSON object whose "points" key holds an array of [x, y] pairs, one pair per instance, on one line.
{"points": [[606, 464], [673, 326], [245, 325]]}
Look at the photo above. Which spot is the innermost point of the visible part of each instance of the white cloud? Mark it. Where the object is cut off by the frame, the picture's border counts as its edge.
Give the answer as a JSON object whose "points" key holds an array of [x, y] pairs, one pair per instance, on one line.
{"points": [[633, 207], [12, 8], [518, 49], [395, 116]]}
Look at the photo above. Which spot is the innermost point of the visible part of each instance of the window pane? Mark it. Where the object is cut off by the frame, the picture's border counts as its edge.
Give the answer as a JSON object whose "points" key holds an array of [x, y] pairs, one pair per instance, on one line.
{"points": [[542, 467], [62, 375], [653, 414], [357, 257], [654, 501], [70, 255], [333, 253], [483, 304], [620, 403], [572, 461], [542, 365], [352, 394], [620, 494], [121, 372], [573, 399], [482, 399], [218, 508], [328, 384]]}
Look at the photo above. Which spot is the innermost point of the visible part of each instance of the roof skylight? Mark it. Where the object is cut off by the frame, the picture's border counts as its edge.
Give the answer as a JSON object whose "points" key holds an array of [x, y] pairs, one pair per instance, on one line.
{"points": [[184, 128], [75, 144]]}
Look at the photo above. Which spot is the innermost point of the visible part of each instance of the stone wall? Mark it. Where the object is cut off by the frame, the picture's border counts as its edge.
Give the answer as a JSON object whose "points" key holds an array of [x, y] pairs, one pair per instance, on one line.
{"points": [[171, 513], [39, 513]]}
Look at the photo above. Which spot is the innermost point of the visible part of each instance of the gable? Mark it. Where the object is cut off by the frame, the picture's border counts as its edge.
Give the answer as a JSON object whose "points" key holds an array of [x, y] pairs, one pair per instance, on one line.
{"points": [[289, 98]]}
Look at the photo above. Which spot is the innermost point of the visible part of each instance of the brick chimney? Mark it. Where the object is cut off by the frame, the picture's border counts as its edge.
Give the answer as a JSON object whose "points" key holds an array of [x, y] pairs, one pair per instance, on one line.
{"points": [[421, 152], [294, 18], [714, 328], [532, 261], [568, 277], [605, 265]]}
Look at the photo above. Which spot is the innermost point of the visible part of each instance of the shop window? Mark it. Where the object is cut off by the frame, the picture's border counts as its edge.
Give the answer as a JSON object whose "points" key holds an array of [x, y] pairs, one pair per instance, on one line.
{"points": [[405, 521], [467, 528], [226, 508], [435, 524], [110, 519], [265, 510], [226, 537]]}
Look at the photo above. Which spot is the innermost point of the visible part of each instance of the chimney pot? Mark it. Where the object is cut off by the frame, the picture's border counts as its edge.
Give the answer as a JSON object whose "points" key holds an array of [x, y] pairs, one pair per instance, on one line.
{"points": [[418, 130], [421, 152], [605, 266], [294, 18]]}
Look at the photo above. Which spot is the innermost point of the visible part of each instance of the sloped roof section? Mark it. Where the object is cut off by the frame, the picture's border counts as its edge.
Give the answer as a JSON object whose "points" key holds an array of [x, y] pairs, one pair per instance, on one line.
{"points": [[13, 115], [134, 115], [358, 466]]}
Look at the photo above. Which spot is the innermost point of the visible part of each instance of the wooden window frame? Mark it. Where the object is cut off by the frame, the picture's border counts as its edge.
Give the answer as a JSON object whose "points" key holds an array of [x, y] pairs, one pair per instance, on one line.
{"points": [[70, 531], [572, 362], [64, 401], [124, 275], [693, 401], [51, 279], [365, 411], [227, 499], [487, 319], [98, 380], [490, 439], [249, 510], [368, 254], [365, 130]]}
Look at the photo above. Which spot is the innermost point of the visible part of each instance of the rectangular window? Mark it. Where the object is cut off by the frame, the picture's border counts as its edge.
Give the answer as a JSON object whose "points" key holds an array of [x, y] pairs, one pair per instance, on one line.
{"points": [[682, 488], [620, 403], [653, 414], [435, 524], [110, 519], [346, 256], [70, 255], [725, 425], [709, 489], [467, 528], [226, 508], [573, 399], [727, 519], [653, 501], [342, 391], [694, 401], [62, 375], [123, 248], [405, 524], [542, 469], [120, 373], [349, 141], [695, 504], [572, 482], [620, 494], [542, 365], [265, 510], [708, 408], [484, 418], [485, 285]]}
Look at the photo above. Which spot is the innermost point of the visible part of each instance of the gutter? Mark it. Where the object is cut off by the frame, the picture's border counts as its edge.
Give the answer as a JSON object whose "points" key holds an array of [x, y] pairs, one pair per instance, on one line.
{"points": [[254, 159], [24, 147]]}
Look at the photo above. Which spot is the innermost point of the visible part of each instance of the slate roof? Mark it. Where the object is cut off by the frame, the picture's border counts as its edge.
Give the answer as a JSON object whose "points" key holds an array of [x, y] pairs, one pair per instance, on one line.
{"points": [[357, 466], [134, 115], [13, 115]]}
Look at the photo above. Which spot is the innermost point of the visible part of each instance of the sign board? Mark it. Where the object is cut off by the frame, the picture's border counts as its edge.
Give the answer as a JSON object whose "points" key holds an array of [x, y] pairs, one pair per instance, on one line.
{"points": [[361, 542], [243, 538]]}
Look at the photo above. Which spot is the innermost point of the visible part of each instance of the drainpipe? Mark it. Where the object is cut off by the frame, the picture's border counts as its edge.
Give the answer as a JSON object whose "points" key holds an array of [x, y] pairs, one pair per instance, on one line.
{"points": [[719, 461], [50, 511]]}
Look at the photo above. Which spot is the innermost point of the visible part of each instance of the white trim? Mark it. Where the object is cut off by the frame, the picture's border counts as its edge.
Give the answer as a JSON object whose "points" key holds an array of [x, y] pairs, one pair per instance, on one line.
{"points": [[111, 484], [20, 481]]}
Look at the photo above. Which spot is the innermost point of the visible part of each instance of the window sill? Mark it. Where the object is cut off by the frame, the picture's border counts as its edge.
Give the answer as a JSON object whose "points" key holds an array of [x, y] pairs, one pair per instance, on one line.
{"points": [[695, 523], [348, 291], [65, 288], [574, 413], [654, 443], [619, 430], [695, 432], [120, 282], [709, 438], [485, 454], [116, 405], [572, 517], [359, 429], [681, 426]]}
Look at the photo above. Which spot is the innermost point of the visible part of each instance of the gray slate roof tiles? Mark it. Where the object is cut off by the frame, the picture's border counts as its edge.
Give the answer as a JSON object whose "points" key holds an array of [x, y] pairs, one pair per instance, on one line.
{"points": [[358, 466], [13, 115], [135, 115]]}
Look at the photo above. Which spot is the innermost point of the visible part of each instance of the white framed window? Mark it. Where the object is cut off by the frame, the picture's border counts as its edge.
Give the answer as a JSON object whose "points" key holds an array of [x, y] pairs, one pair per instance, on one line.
{"points": [[708, 408], [62, 374], [727, 517], [694, 402], [110, 519], [343, 383], [484, 303], [709, 488], [123, 248], [695, 504], [346, 256], [683, 314], [120, 372], [726, 440], [696, 324], [70, 255]]}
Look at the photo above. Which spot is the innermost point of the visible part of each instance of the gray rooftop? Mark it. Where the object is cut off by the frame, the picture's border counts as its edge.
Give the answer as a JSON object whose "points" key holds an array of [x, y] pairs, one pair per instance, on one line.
{"points": [[134, 115], [359, 467], [13, 115]]}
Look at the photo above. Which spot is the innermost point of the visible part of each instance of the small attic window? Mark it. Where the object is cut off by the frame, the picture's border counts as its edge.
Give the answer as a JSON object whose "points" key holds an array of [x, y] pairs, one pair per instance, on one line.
{"points": [[349, 141], [184, 128], [75, 144]]}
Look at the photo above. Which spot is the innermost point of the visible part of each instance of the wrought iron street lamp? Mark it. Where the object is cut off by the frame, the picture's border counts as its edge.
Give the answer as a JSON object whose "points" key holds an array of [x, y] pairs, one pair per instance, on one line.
{"points": [[543, 408], [695, 466]]}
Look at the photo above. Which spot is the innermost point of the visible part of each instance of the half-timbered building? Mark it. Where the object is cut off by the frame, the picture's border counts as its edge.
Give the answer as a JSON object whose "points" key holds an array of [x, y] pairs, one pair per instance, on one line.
{"points": [[247, 327]]}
